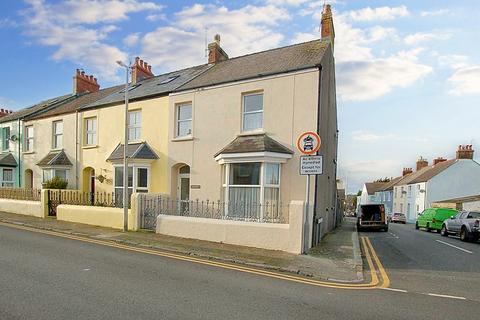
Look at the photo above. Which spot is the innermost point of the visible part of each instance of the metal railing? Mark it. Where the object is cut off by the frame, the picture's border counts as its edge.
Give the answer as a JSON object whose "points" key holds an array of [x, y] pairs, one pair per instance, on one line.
{"points": [[20, 194], [80, 198], [273, 212]]}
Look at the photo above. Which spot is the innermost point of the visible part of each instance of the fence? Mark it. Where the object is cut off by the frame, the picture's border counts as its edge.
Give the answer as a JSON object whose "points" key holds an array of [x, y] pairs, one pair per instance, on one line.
{"points": [[20, 194], [151, 206]]}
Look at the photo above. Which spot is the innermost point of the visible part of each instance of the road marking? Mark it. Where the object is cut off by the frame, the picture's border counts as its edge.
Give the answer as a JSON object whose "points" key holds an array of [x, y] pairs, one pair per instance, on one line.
{"points": [[396, 290], [369, 251], [446, 296], [451, 245]]}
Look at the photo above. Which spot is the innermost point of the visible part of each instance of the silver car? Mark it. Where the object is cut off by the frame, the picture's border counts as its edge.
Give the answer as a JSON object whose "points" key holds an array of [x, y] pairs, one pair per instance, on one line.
{"points": [[465, 224]]}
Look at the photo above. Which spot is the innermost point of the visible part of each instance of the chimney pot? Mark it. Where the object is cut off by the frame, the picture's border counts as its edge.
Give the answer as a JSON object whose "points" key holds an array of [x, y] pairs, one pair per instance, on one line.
{"points": [[465, 152], [141, 70], [327, 28], [84, 83], [215, 52]]}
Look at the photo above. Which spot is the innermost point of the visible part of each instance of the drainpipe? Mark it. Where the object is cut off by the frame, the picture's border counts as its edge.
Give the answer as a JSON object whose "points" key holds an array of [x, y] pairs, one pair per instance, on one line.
{"points": [[20, 140], [76, 149]]}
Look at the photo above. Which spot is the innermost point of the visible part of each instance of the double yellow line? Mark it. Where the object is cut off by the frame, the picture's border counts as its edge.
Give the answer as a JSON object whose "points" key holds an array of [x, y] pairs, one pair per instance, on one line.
{"points": [[378, 275]]}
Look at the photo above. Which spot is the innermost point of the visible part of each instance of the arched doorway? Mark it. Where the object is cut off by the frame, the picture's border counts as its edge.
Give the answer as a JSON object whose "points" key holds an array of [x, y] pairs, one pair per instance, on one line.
{"points": [[28, 179], [89, 180], [183, 184]]}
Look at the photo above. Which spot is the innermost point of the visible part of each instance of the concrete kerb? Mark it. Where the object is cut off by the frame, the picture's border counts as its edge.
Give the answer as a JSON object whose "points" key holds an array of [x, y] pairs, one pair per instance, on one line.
{"points": [[357, 255], [189, 253]]}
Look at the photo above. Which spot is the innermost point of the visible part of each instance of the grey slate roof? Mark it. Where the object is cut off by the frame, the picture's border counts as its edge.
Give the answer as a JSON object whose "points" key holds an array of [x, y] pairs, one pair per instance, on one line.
{"points": [[55, 158], [280, 60], [7, 160], [139, 150], [254, 143], [392, 183], [151, 86], [373, 187], [36, 108]]}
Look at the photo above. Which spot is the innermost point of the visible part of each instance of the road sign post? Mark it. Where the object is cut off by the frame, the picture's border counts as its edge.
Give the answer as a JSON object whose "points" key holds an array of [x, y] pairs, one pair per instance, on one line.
{"points": [[308, 143]]}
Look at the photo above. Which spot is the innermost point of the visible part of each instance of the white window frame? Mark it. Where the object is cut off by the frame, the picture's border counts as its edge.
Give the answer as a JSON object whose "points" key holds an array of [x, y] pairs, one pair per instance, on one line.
{"points": [[6, 138], [29, 140], [53, 174], [226, 183], [135, 166], [178, 120], [7, 183], [135, 126], [90, 132], [55, 135], [244, 113]]}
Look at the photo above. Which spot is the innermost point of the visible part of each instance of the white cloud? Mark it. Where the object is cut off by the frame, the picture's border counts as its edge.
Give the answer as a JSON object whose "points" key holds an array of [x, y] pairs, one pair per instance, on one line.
{"points": [[454, 61], [433, 13], [244, 30], [376, 14], [287, 2], [132, 39], [79, 30], [370, 137], [418, 37], [465, 80]]}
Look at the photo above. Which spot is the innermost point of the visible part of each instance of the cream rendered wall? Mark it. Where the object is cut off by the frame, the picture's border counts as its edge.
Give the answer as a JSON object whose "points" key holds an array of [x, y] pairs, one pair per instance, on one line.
{"points": [[43, 144], [15, 148], [290, 108], [110, 132]]}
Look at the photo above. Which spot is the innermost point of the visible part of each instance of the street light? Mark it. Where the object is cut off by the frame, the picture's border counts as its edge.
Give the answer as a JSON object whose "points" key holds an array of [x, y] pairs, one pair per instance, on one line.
{"points": [[125, 159]]}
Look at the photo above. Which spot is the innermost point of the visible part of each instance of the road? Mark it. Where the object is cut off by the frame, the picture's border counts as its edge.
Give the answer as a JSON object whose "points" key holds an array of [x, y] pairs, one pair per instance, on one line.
{"points": [[425, 262], [48, 277]]}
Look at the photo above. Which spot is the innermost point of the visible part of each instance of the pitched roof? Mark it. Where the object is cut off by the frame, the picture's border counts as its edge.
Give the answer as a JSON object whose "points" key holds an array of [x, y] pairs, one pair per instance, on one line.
{"points": [[389, 185], [55, 158], [280, 60], [36, 108], [7, 160], [139, 150], [373, 187], [79, 101], [254, 143], [155, 86], [433, 171]]}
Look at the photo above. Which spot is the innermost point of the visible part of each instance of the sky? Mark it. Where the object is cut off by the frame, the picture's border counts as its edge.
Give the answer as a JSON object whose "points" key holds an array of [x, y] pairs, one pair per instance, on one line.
{"points": [[408, 72]]}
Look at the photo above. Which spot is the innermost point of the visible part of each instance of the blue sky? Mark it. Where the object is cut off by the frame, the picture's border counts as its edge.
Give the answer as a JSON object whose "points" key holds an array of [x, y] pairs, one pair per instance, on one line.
{"points": [[408, 72]]}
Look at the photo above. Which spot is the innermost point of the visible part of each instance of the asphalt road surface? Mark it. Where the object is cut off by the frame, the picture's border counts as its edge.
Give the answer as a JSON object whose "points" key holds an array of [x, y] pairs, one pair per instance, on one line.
{"points": [[47, 277], [425, 262]]}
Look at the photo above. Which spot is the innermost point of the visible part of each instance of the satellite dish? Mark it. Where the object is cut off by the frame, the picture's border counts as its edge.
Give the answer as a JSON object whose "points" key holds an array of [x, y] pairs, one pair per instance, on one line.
{"points": [[13, 138]]}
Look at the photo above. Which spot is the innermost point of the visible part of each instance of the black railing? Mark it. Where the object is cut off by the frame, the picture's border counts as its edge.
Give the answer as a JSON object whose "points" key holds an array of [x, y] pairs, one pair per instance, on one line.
{"points": [[269, 212], [20, 194], [97, 199]]}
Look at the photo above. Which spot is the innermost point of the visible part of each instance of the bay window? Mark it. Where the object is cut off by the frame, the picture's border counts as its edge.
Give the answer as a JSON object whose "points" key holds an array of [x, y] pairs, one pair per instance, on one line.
{"points": [[138, 181], [49, 174], [7, 178]]}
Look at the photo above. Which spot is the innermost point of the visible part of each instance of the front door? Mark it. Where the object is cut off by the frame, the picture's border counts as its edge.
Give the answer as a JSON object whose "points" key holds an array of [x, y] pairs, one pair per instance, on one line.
{"points": [[184, 189], [92, 187]]}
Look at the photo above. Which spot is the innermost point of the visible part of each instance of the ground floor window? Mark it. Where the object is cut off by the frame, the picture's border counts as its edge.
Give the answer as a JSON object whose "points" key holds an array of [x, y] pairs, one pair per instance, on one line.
{"points": [[49, 174], [252, 190], [7, 178], [138, 180]]}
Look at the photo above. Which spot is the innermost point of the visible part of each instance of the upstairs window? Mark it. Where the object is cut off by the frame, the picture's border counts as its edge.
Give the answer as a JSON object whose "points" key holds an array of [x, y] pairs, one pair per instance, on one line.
{"points": [[91, 131], [134, 125], [184, 120], [5, 138], [28, 138], [252, 112], [57, 134]]}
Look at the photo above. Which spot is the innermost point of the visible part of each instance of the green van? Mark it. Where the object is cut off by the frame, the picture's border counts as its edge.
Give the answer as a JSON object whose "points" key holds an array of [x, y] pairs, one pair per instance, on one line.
{"points": [[432, 219]]}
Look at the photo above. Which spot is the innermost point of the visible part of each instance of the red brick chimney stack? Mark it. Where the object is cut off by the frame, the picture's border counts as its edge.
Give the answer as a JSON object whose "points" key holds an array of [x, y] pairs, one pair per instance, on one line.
{"points": [[84, 83], [407, 171], [438, 160], [141, 70], [215, 52], [421, 163], [4, 112], [465, 152], [327, 30]]}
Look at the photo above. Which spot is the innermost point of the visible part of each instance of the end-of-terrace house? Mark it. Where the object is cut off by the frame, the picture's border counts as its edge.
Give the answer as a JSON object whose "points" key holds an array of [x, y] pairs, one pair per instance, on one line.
{"points": [[101, 128], [52, 136], [443, 180], [16, 140], [370, 192], [235, 126], [385, 194]]}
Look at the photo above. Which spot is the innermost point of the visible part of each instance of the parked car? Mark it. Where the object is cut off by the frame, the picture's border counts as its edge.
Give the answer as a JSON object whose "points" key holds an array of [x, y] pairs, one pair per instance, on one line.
{"points": [[432, 218], [372, 216], [465, 224], [398, 217]]}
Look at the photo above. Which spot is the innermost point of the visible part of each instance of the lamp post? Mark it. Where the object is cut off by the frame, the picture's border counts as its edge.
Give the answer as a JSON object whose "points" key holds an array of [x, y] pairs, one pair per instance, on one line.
{"points": [[125, 159]]}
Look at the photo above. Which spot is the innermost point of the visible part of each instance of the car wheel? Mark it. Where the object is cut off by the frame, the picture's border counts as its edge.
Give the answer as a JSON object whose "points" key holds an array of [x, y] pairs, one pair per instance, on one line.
{"points": [[444, 231], [464, 234], [428, 227], [416, 226]]}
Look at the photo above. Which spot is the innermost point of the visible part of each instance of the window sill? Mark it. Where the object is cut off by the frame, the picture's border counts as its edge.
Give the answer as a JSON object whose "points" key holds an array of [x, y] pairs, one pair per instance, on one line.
{"points": [[186, 138], [56, 149], [251, 133], [28, 152], [90, 147]]}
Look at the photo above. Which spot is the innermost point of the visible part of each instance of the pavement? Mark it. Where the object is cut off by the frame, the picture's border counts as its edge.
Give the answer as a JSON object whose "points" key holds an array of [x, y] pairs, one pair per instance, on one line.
{"points": [[338, 258], [51, 275]]}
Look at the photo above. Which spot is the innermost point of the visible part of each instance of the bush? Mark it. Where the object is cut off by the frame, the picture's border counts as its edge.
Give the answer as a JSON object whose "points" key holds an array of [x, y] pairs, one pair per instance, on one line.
{"points": [[56, 183]]}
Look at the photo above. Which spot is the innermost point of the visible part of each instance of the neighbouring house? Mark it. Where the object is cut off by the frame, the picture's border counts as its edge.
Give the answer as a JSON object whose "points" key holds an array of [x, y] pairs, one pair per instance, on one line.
{"points": [[52, 135], [370, 192], [469, 203], [101, 125], [442, 181], [234, 128], [16, 140], [385, 194]]}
